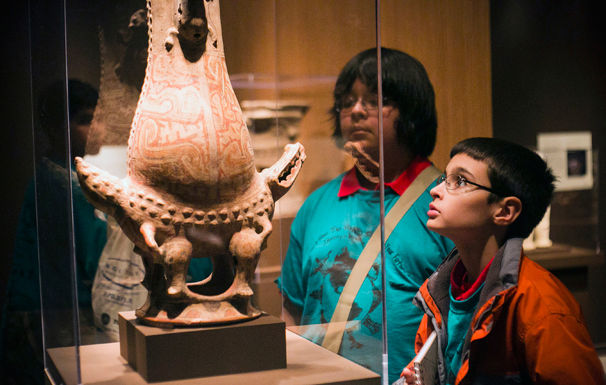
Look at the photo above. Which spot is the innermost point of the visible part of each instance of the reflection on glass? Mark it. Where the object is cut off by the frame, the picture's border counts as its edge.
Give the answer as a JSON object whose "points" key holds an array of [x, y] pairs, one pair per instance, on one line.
{"points": [[44, 235], [335, 223]]}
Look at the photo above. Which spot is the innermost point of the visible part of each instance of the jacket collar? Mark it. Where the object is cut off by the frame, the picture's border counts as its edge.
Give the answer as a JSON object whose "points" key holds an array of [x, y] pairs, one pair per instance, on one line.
{"points": [[502, 275], [504, 272]]}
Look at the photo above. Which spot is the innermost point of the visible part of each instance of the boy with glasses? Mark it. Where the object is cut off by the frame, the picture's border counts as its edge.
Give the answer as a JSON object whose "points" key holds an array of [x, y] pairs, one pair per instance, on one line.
{"points": [[499, 317]]}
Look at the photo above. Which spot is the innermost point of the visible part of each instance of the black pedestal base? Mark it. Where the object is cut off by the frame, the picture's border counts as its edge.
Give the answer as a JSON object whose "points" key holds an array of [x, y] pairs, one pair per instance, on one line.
{"points": [[161, 354]]}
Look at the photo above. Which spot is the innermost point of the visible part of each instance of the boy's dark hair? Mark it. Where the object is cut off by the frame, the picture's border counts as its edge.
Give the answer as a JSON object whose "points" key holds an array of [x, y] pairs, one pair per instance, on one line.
{"points": [[513, 170], [405, 86]]}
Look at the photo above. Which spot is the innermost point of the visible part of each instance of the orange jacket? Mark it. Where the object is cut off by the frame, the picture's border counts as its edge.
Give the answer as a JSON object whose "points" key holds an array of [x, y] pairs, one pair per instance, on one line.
{"points": [[527, 327]]}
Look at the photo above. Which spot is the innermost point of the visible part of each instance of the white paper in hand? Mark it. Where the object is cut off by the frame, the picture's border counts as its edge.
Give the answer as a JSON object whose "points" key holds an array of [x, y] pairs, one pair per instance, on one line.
{"points": [[426, 362]]}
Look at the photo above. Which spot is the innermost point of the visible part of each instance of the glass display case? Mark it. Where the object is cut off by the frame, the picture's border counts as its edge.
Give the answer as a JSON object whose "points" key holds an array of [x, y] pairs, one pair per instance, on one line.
{"points": [[283, 59]]}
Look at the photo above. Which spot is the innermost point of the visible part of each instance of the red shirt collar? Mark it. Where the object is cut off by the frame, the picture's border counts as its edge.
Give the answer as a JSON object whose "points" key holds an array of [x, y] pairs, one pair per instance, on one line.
{"points": [[460, 286], [350, 183]]}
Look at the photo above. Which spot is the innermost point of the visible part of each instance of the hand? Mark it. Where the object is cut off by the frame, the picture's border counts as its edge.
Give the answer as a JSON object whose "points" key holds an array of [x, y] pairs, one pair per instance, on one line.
{"points": [[409, 375]]}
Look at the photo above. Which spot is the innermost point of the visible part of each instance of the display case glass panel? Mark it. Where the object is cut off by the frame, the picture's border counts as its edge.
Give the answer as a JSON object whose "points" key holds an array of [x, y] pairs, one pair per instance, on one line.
{"points": [[283, 59], [64, 238]]}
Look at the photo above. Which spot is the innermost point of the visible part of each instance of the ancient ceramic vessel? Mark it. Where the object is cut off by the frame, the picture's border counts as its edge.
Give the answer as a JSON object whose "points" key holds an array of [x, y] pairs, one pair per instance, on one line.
{"points": [[192, 188]]}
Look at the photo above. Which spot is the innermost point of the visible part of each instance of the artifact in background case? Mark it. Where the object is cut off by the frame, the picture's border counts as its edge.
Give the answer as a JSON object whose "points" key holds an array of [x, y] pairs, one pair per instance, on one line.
{"points": [[272, 122], [123, 41], [192, 188], [539, 237]]}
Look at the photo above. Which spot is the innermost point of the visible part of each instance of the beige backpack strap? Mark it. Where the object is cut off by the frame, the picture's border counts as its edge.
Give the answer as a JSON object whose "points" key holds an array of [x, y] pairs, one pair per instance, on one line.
{"points": [[337, 325]]}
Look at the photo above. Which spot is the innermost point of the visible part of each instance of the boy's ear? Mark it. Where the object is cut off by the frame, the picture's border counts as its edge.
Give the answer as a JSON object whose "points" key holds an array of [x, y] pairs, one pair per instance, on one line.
{"points": [[508, 210]]}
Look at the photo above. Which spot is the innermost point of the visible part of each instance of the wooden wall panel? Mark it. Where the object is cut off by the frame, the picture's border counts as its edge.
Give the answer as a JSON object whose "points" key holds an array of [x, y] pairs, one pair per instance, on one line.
{"points": [[313, 39], [249, 42], [452, 40]]}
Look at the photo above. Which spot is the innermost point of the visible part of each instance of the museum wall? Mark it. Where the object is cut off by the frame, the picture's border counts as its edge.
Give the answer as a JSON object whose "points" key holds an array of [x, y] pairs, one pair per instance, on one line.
{"points": [[548, 61]]}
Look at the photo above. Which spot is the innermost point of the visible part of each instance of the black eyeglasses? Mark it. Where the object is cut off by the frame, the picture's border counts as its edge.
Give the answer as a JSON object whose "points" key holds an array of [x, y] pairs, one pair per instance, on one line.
{"points": [[455, 182]]}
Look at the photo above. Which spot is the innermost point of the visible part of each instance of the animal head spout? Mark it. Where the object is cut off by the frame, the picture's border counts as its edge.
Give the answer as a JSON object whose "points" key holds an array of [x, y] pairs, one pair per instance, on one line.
{"points": [[281, 175]]}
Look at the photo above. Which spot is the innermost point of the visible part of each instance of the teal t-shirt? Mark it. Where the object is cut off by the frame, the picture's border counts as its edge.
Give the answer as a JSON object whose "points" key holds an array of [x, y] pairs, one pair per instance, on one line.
{"points": [[327, 236], [459, 319]]}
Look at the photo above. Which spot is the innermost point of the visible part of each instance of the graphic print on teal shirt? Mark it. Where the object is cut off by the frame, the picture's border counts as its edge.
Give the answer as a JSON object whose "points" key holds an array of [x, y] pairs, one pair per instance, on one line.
{"points": [[327, 236]]}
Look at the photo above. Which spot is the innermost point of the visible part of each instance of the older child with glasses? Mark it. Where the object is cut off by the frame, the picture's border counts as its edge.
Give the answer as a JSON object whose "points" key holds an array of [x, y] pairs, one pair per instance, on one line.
{"points": [[334, 225]]}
